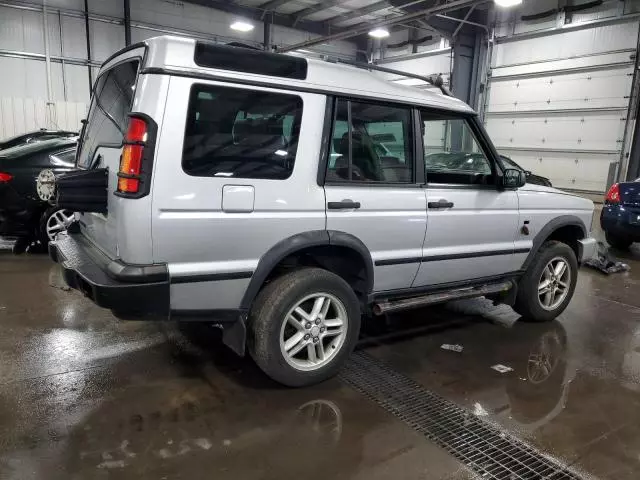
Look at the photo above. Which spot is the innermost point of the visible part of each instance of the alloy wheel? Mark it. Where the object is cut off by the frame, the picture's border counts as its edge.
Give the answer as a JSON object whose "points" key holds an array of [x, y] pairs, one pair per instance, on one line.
{"points": [[58, 222], [313, 331], [554, 283]]}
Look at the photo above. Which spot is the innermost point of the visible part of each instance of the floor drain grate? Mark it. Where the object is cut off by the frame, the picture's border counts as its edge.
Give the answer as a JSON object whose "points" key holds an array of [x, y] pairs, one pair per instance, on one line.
{"points": [[484, 448]]}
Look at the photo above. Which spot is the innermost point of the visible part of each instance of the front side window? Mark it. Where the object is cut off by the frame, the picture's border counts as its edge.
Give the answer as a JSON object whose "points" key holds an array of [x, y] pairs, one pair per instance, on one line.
{"points": [[452, 154], [375, 147], [111, 102], [233, 132]]}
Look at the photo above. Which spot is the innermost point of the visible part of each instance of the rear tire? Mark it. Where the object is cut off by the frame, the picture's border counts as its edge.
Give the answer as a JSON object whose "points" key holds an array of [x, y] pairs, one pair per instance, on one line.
{"points": [[288, 337], [619, 242], [543, 292]]}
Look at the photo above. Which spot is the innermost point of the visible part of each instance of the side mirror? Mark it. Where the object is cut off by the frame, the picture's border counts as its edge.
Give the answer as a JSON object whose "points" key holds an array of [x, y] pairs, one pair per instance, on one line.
{"points": [[513, 178]]}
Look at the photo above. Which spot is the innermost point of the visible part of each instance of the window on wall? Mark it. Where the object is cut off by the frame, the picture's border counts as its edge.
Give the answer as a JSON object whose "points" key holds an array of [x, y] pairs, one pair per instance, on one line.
{"points": [[452, 153], [375, 147], [241, 133]]}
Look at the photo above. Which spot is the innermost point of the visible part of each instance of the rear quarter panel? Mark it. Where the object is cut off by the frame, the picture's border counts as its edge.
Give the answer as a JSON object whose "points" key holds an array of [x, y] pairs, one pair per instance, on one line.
{"points": [[196, 237]]}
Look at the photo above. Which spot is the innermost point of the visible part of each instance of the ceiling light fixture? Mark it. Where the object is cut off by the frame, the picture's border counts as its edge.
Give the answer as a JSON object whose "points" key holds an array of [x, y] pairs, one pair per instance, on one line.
{"points": [[379, 33], [241, 26], [507, 3]]}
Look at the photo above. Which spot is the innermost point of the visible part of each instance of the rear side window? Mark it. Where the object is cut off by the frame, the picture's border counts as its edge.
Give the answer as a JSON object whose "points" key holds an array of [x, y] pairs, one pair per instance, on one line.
{"points": [[233, 132], [111, 102]]}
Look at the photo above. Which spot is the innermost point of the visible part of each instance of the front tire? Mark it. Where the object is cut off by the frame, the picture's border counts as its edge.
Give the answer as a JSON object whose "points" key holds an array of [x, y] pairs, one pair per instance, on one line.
{"points": [[53, 221], [303, 326], [618, 241], [547, 287]]}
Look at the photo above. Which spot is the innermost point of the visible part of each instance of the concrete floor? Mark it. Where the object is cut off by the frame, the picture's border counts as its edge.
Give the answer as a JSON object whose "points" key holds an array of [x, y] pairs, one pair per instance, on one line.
{"points": [[85, 396]]}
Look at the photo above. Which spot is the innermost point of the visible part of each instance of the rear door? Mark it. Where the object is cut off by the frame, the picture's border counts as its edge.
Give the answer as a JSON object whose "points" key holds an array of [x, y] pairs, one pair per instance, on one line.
{"points": [[232, 179], [472, 226], [101, 144], [372, 189]]}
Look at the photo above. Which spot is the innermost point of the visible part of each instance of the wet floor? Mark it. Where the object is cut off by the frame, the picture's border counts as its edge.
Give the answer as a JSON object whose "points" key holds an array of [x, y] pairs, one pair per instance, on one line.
{"points": [[85, 396]]}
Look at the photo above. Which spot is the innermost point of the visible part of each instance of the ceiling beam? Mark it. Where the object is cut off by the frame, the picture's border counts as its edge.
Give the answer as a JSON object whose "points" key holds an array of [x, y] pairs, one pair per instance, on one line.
{"points": [[273, 4], [375, 7], [319, 7], [256, 14], [364, 28]]}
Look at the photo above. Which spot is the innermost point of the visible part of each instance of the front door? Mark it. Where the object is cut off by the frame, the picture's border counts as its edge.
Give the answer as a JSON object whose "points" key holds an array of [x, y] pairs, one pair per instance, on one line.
{"points": [[371, 188], [472, 225]]}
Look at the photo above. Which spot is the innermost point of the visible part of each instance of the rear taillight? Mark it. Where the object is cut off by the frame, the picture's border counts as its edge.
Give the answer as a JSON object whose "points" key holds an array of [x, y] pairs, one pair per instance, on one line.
{"points": [[613, 195], [5, 177], [130, 173]]}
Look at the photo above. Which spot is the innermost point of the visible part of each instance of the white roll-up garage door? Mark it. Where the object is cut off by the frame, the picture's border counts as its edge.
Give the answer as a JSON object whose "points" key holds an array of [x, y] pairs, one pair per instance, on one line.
{"points": [[557, 103]]}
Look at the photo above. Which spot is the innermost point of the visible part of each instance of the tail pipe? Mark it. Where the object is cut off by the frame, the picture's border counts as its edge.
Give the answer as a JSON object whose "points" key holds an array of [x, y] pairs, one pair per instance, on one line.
{"points": [[390, 306]]}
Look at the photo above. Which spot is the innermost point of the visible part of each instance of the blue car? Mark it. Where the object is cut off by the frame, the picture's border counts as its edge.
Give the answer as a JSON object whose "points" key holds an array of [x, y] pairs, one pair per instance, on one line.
{"points": [[620, 218]]}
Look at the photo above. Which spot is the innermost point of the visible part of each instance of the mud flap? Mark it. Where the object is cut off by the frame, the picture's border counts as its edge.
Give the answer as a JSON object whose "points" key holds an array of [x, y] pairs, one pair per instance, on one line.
{"points": [[234, 335], [508, 298]]}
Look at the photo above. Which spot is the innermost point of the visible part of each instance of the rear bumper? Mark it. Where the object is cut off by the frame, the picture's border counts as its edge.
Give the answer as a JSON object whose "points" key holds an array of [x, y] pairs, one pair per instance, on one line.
{"points": [[618, 220], [125, 289]]}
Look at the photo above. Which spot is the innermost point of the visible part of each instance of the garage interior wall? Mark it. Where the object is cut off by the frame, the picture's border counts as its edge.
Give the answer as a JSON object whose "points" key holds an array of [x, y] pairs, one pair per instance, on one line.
{"points": [[559, 91], [24, 102], [432, 57]]}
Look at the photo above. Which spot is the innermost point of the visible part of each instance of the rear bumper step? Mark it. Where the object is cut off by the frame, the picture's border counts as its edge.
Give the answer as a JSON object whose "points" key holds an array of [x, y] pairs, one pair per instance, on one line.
{"points": [[390, 306], [109, 283]]}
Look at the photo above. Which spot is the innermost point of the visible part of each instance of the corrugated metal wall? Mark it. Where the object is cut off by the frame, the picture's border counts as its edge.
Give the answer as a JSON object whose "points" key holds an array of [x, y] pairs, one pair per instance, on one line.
{"points": [[558, 100], [24, 104], [433, 58]]}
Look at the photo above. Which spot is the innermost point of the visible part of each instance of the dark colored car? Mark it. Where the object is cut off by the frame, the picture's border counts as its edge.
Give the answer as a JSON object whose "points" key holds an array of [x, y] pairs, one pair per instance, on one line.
{"points": [[531, 177], [23, 215], [620, 217], [36, 136]]}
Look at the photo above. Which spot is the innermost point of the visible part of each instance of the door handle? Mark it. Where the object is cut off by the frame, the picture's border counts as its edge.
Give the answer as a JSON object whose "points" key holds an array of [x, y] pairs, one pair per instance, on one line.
{"points": [[442, 203], [344, 204]]}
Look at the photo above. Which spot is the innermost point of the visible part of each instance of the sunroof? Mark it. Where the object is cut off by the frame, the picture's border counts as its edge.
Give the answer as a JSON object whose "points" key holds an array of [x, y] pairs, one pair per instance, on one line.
{"points": [[247, 60]]}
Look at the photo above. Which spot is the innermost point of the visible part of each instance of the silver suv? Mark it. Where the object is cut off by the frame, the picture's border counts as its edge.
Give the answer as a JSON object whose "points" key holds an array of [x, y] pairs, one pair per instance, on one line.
{"points": [[282, 198]]}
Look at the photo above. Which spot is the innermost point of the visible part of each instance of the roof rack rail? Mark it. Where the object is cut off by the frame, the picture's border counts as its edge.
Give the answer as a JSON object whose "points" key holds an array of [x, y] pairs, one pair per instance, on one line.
{"points": [[434, 80]]}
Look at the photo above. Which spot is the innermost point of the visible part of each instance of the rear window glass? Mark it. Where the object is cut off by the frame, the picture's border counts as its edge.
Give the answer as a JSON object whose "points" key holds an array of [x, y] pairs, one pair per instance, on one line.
{"points": [[111, 102], [25, 150], [233, 132]]}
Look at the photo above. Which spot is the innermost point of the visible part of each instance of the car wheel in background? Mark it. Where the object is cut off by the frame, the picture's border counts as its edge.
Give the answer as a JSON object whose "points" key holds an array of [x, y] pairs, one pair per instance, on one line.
{"points": [[618, 241], [303, 326], [53, 221], [20, 246], [547, 286]]}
